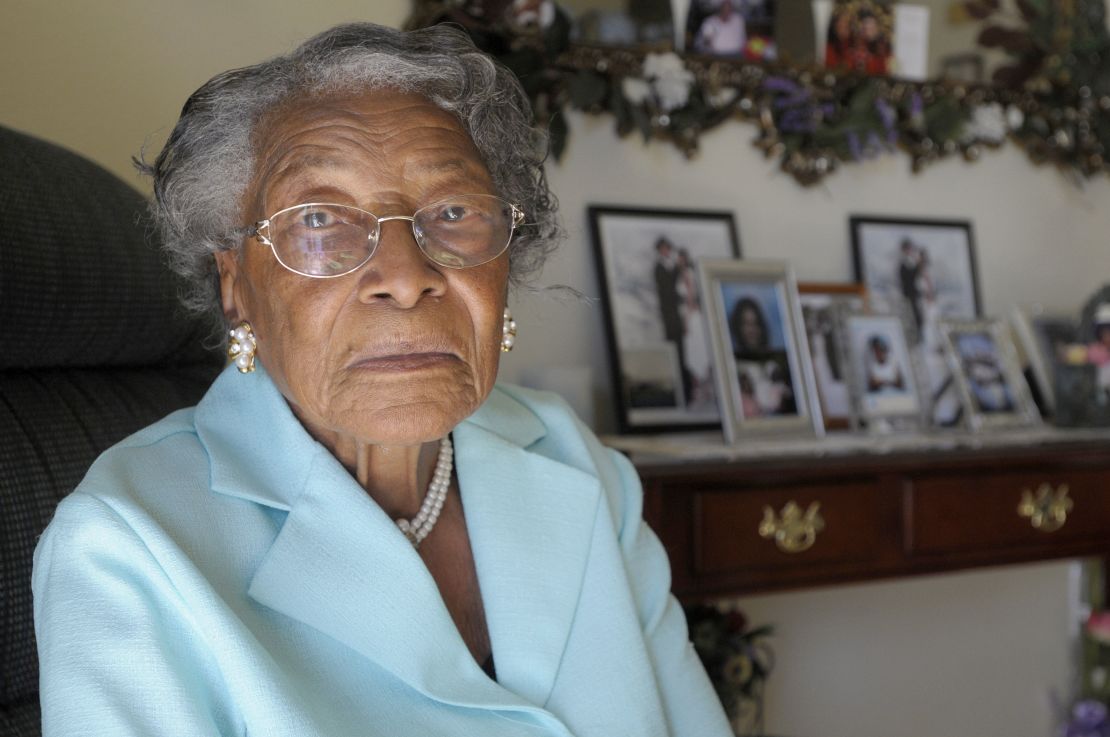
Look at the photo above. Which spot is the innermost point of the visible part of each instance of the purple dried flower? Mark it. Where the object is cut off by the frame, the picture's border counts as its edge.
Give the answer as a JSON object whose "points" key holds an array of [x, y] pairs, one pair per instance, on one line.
{"points": [[854, 146]]}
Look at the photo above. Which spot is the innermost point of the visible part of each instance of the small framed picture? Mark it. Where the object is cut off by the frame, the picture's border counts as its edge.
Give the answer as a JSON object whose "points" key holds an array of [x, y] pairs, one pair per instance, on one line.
{"points": [[659, 345], [820, 303], [1043, 338], [1082, 387], [884, 377], [742, 29], [988, 374], [860, 37], [764, 375], [928, 268]]}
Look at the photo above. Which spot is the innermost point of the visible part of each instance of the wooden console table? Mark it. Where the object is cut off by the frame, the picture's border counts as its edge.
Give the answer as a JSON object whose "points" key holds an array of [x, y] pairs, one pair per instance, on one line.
{"points": [[808, 516]]}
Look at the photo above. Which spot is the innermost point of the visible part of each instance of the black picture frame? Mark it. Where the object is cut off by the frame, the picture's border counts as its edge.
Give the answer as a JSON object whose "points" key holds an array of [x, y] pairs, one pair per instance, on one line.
{"points": [[660, 384], [881, 264]]}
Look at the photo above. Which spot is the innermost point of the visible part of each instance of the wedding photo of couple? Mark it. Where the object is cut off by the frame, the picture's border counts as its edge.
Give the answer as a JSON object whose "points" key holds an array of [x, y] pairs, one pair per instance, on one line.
{"points": [[676, 287], [926, 269], [657, 328], [916, 282]]}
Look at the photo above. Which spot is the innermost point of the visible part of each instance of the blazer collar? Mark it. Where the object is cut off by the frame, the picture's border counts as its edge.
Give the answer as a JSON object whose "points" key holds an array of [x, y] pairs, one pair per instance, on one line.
{"points": [[340, 565], [259, 450]]}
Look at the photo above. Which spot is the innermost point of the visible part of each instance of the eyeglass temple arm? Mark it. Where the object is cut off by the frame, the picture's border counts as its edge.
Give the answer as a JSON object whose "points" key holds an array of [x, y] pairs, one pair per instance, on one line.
{"points": [[256, 231]]}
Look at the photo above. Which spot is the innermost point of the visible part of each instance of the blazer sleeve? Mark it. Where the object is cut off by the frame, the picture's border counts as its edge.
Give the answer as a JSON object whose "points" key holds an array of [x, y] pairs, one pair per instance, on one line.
{"points": [[117, 654], [689, 700]]}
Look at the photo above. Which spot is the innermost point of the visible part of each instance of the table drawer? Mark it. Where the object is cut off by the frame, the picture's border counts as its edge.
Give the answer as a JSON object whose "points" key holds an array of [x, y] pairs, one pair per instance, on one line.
{"points": [[727, 526], [981, 511]]}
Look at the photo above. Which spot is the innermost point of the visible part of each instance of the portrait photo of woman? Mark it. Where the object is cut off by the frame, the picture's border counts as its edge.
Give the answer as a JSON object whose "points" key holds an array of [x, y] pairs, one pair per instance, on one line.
{"points": [[759, 347]]}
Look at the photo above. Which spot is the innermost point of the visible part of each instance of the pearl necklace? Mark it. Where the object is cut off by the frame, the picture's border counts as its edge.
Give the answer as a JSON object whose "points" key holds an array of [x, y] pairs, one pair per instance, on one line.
{"points": [[419, 526]]}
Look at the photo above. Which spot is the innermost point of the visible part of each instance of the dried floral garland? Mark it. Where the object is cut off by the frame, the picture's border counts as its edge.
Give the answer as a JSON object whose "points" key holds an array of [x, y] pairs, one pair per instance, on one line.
{"points": [[1056, 103]]}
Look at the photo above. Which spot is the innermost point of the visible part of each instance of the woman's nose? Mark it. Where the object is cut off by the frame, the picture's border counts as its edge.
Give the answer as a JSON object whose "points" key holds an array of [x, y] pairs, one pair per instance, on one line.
{"points": [[399, 272]]}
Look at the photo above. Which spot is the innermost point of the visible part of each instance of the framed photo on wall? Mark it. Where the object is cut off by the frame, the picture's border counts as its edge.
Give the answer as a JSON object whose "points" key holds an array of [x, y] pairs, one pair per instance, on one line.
{"points": [[764, 375], [927, 267], [659, 346], [820, 303], [988, 374]]}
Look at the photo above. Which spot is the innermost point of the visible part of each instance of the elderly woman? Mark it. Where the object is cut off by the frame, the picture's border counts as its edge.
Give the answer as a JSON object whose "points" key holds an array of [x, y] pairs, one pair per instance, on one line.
{"points": [[355, 532]]}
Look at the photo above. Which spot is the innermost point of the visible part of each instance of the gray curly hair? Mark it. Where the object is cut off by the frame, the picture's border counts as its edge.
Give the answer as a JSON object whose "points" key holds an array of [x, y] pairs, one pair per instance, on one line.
{"points": [[207, 163]]}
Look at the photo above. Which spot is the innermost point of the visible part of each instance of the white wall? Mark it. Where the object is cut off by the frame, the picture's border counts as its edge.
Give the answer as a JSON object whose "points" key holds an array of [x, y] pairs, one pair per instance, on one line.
{"points": [[972, 654], [1038, 237], [950, 656]]}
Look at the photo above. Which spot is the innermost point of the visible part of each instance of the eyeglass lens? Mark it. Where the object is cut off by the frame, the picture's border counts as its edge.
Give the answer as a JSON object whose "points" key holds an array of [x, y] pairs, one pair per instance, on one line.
{"points": [[331, 240]]}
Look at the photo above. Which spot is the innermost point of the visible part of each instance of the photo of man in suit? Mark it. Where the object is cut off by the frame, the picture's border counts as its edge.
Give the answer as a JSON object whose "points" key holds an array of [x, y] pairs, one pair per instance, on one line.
{"points": [[666, 286]]}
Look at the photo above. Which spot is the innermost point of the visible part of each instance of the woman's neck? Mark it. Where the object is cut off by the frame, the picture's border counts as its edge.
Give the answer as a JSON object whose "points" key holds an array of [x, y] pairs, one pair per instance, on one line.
{"points": [[396, 477]]}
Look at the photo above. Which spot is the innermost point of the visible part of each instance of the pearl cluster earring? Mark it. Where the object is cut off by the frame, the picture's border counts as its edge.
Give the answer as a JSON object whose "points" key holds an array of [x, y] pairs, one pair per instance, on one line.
{"points": [[508, 331], [242, 346]]}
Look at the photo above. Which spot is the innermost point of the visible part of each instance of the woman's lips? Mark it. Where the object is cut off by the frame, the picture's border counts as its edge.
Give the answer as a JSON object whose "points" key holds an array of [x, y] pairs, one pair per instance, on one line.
{"points": [[405, 361]]}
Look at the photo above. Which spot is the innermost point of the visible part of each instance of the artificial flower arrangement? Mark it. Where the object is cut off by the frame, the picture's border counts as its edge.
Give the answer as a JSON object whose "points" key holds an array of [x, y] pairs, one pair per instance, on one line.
{"points": [[738, 660], [1088, 717], [1054, 97]]}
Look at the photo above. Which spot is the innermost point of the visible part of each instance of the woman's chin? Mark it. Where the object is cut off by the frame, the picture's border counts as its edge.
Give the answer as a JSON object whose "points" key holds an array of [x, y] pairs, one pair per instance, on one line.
{"points": [[407, 423]]}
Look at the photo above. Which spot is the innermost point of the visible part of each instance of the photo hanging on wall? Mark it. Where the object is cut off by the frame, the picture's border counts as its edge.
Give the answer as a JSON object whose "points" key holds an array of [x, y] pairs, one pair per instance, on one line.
{"points": [[659, 345], [764, 374], [926, 267]]}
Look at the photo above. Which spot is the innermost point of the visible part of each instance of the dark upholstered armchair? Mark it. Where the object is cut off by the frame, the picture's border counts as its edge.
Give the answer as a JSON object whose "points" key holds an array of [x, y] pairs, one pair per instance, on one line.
{"points": [[93, 346]]}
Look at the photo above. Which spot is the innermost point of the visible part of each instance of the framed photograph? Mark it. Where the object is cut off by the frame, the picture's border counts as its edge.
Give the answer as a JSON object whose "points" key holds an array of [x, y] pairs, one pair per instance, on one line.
{"points": [[988, 374], [1082, 386], [860, 37], [659, 346], [1043, 338], [928, 268], [965, 67], [884, 376], [743, 29], [764, 375], [820, 303]]}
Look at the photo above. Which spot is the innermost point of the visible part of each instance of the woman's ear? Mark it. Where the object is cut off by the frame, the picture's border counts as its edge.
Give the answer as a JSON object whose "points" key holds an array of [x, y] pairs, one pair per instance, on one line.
{"points": [[227, 265]]}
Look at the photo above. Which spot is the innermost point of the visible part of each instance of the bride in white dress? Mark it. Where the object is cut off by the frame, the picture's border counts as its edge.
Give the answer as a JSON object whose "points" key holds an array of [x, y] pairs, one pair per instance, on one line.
{"points": [[695, 343], [927, 301]]}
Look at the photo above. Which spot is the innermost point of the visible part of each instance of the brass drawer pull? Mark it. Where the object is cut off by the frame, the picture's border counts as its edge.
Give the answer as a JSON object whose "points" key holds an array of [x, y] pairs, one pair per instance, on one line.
{"points": [[1048, 510], [792, 531]]}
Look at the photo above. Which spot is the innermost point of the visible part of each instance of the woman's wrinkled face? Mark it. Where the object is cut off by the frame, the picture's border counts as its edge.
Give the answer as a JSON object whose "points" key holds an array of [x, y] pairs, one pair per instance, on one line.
{"points": [[402, 349]]}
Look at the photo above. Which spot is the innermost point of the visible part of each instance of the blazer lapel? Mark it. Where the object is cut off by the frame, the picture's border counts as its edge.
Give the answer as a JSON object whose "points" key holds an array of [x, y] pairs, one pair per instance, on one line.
{"points": [[341, 566], [338, 563], [531, 520]]}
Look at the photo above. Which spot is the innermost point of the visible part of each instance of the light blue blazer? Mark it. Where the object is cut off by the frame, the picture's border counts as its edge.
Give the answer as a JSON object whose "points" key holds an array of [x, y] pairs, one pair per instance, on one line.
{"points": [[220, 573]]}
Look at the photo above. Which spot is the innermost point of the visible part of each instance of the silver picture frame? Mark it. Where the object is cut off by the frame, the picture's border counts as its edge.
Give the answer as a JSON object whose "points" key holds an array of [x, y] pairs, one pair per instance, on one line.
{"points": [[886, 379], [764, 373], [1040, 334], [988, 375], [820, 302]]}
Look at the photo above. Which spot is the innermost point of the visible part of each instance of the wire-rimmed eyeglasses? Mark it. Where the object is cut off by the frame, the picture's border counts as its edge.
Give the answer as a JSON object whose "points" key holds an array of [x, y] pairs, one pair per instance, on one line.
{"points": [[324, 240]]}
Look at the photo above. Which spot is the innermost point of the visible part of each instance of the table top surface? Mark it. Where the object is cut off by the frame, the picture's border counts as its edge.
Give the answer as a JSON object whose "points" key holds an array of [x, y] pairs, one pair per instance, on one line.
{"points": [[684, 449]]}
